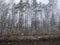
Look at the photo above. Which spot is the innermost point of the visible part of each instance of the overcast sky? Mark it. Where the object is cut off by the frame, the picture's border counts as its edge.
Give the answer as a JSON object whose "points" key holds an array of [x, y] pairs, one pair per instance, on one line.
{"points": [[43, 1]]}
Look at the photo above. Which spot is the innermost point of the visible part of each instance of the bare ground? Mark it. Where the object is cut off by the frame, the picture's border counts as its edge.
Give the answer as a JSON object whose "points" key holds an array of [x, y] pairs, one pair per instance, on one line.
{"points": [[31, 42]]}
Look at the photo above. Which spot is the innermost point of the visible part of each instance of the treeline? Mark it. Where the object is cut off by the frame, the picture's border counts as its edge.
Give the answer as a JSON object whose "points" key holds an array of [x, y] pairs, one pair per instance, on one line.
{"points": [[26, 19]]}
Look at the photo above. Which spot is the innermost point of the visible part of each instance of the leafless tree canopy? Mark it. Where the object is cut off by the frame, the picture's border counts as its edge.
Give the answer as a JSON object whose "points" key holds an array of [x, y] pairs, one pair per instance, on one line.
{"points": [[26, 19]]}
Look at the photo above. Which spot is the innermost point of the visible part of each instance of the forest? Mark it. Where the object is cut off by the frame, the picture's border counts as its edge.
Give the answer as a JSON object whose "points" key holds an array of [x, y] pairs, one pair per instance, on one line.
{"points": [[27, 18]]}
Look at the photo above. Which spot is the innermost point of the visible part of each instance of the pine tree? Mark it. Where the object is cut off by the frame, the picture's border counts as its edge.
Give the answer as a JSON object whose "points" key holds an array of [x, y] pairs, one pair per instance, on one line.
{"points": [[34, 3], [52, 23], [59, 24]]}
